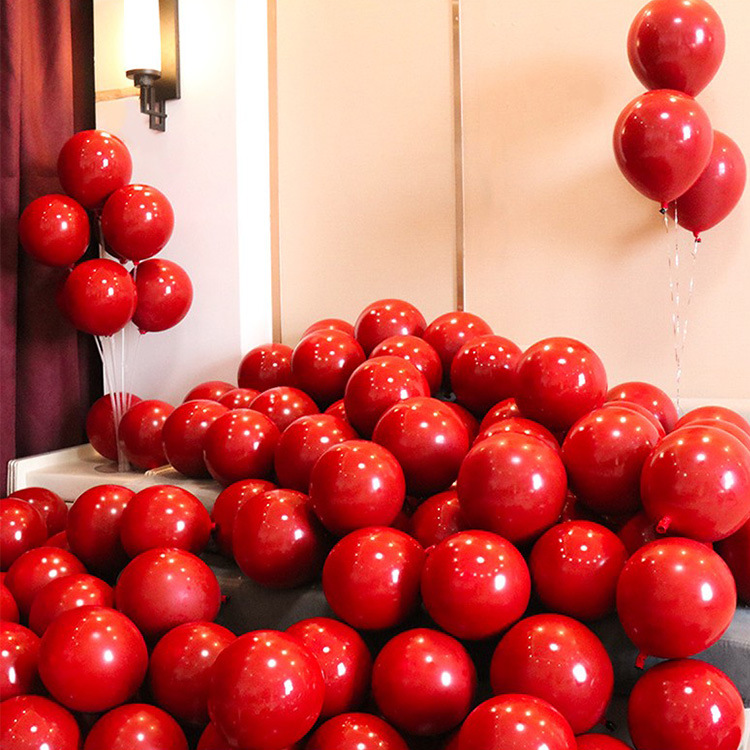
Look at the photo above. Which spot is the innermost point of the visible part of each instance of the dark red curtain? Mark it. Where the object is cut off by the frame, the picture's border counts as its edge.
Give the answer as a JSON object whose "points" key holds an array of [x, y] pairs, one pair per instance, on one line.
{"points": [[48, 373]]}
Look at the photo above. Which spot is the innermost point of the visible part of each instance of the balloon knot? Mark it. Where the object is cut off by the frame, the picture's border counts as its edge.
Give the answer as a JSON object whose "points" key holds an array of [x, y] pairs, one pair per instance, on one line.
{"points": [[663, 209], [640, 661], [225, 598], [142, 331], [214, 526], [697, 237], [663, 526]]}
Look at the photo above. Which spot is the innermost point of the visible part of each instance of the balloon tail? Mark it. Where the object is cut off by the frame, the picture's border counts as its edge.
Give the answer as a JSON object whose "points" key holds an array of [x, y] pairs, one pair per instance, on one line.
{"points": [[640, 661], [673, 261], [663, 526]]}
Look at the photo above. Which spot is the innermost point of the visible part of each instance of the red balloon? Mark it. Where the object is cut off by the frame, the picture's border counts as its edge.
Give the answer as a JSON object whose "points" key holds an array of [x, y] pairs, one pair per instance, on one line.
{"points": [[31, 722], [266, 691], [94, 527], [93, 164], [58, 540], [227, 504], [560, 380], [675, 597], [100, 423], [35, 569], [277, 540], [180, 666], [136, 725], [516, 722], [642, 410], [99, 297], [649, 396], [696, 483], [637, 531], [475, 584], [211, 390], [266, 366], [92, 659], [212, 739], [450, 331], [164, 516], [575, 567], [729, 427], [600, 742], [371, 577], [423, 682], [137, 221], [54, 230], [163, 588], [468, 420], [165, 294], [513, 485], [520, 425], [676, 45], [141, 433], [329, 324], [283, 404], [662, 143], [69, 592], [385, 318], [417, 351], [555, 658], [8, 607], [183, 433], [337, 409], [720, 413], [344, 658], [502, 410], [735, 550], [240, 445], [483, 372], [19, 658], [355, 732], [604, 453], [437, 518], [303, 443], [239, 398], [685, 704], [356, 484], [22, 527]]}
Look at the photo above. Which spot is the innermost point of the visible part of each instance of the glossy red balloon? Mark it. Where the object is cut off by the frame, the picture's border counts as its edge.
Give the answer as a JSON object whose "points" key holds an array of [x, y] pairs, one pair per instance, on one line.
{"points": [[92, 659], [637, 531], [31, 572], [437, 518], [516, 722], [685, 704], [164, 516], [673, 44], [513, 485], [22, 527], [54, 230], [163, 588], [555, 658], [356, 484], [100, 423], [212, 739], [450, 331], [266, 366], [719, 413], [344, 658], [560, 380], [180, 665], [469, 421], [239, 398], [355, 731], [183, 432], [675, 597], [604, 453], [211, 390], [228, 503], [141, 433], [729, 427], [600, 742], [283, 404], [649, 396], [50, 505], [475, 584], [378, 384], [371, 577], [94, 527], [642, 410], [696, 483], [99, 297], [735, 550], [502, 410], [575, 567], [240, 445], [385, 318], [520, 425], [417, 351], [329, 324], [337, 409], [303, 443], [137, 221], [277, 539], [93, 164], [165, 294], [483, 372], [266, 691], [69, 592], [423, 682], [19, 658], [31, 722], [8, 607], [662, 143], [137, 725]]}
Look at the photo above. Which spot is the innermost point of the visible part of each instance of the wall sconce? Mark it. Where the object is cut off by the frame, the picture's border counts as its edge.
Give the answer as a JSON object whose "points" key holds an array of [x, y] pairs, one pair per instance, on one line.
{"points": [[152, 55]]}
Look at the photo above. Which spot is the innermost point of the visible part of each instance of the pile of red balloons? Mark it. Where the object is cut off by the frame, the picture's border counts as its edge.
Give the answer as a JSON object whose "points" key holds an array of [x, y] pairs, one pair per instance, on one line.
{"points": [[663, 140], [133, 222]]}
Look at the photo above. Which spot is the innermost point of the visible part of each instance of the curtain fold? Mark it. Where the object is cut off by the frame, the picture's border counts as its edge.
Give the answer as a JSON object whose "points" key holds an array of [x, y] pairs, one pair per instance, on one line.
{"points": [[48, 371]]}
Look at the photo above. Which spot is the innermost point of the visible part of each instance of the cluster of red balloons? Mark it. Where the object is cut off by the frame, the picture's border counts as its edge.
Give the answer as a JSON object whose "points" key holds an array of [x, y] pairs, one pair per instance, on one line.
{"points": [[101, 296], [663, 140]]}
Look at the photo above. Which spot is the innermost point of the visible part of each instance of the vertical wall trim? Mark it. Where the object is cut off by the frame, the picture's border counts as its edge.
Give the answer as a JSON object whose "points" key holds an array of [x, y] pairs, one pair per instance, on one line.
{"points": [[458, 154], [273, 110]]}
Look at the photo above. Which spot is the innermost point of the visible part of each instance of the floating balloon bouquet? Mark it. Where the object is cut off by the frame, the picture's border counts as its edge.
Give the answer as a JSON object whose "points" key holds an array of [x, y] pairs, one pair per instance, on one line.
{"points": [[132, 223]]}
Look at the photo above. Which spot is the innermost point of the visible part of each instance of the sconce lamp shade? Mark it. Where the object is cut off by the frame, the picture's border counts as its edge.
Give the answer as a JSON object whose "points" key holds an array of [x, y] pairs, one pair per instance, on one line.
{"points": [[142, 31]]}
